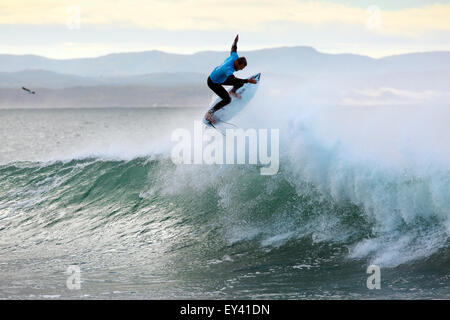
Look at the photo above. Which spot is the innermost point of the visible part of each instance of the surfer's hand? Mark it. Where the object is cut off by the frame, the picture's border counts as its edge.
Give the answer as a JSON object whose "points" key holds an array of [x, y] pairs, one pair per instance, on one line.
{"points": [[210, 118], [234, 46], [251, 80]]}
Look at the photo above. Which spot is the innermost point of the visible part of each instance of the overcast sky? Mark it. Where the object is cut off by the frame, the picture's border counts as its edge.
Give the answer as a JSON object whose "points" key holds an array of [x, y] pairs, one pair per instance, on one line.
{"points": [[85, 28]]}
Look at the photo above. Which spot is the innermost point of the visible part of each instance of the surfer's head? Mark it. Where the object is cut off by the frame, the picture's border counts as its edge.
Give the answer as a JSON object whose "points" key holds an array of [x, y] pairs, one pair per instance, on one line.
{"points": [[240, 63]]}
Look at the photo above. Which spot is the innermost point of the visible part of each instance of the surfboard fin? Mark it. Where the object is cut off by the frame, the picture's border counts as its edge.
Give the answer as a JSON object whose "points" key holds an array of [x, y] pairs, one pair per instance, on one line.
{"points": [[230, 124]]}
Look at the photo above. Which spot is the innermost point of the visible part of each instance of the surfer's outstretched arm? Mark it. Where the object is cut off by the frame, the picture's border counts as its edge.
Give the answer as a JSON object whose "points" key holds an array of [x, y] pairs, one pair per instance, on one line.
{"points": [[234, 46], [232, 81]]}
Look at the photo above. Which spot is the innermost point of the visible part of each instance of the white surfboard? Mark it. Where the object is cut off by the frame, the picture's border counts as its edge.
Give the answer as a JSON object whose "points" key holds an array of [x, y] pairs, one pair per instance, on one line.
{"points": [[247, 91]]}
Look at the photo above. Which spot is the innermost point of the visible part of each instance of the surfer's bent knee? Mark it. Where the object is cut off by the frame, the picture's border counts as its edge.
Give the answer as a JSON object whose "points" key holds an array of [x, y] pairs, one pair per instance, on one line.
{"points": [[226, 100]]}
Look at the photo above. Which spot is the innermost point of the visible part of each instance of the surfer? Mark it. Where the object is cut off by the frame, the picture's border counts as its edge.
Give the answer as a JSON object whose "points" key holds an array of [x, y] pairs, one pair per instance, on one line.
{"points": [[223, 76]]}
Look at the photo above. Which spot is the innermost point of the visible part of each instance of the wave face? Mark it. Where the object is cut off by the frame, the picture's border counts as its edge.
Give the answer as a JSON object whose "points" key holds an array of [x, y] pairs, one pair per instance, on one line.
{"points": [[356, 186], [208, 231]]}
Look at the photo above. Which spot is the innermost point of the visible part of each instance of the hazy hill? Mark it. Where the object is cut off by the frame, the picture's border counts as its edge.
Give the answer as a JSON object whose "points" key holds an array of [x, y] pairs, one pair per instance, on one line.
{"points": [[50, 79], [302, 61], [155, 78], [101, 96]]}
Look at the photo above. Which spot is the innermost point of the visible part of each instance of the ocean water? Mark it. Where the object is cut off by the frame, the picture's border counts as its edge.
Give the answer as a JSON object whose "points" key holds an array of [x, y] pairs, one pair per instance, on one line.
{"points": [[96, 189]]}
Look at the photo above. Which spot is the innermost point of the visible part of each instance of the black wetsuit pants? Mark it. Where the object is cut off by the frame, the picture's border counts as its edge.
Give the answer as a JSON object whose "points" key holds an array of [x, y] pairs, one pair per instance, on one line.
{"points": [[221, 92]]}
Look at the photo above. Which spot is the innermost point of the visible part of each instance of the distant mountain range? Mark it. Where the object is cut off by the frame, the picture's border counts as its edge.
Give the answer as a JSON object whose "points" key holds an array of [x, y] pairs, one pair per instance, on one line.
{"points": [[301, 61], [157, 78], [50, 79], [105, 96]]}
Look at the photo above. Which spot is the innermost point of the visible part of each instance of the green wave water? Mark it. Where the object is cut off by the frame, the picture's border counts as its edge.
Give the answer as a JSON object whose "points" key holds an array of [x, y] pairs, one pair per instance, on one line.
{"points": [[97, 189], [147, 228]]}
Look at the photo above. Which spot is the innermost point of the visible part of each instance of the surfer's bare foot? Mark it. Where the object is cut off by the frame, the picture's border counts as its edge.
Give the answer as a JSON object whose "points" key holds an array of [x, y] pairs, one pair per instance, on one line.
{"points": [[235, 94], [209, 117]]}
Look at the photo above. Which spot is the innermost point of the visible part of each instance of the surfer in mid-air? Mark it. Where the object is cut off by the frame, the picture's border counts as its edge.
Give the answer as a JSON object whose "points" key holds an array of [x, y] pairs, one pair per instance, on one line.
{"points": [[223, 76]]}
